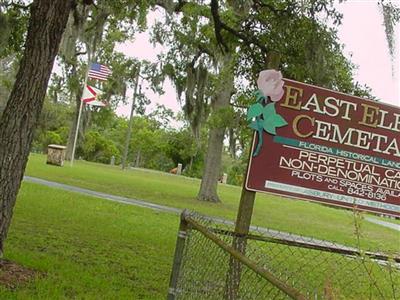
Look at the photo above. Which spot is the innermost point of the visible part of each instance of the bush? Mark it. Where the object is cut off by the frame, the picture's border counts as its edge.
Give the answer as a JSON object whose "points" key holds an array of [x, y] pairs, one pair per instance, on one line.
{"points": [[99, 149], [44, 139]]}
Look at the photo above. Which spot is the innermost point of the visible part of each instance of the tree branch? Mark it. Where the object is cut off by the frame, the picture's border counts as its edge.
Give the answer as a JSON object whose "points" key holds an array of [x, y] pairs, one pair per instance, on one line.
{"points": [[80, 53], [195, 58], [278, 12], [218, 25], [244, 38], [171, 6], [205, 50], [178, 7]]}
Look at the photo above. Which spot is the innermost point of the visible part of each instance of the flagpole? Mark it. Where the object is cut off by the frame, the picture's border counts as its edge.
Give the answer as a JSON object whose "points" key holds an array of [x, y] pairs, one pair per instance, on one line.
{"points": [[79, 118]]}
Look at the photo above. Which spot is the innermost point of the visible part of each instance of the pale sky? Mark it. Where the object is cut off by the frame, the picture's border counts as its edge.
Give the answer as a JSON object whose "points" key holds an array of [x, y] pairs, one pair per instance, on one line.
{"points": [[364, 37], [361, 32]]}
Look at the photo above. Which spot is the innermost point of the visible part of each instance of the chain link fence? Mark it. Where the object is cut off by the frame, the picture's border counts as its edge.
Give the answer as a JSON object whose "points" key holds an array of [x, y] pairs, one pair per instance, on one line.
{"points": [[212, 262]]}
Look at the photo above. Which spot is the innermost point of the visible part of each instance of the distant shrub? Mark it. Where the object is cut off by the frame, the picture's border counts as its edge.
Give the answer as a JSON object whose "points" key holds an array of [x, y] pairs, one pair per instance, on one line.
{"points": [[99, 149]]}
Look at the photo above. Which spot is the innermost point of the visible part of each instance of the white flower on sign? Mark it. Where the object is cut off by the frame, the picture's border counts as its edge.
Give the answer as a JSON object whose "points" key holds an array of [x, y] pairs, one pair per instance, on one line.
{"points": [[271, 84]]}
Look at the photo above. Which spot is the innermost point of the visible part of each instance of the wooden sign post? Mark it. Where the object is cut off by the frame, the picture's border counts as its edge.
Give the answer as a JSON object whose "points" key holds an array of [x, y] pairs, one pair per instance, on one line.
{"points": [[244, 215], [246, 204]]}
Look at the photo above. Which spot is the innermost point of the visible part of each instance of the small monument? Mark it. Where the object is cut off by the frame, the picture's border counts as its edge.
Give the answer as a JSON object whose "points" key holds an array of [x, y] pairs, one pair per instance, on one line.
{"points": [[224, 178], [56, 155], [179, 169]]}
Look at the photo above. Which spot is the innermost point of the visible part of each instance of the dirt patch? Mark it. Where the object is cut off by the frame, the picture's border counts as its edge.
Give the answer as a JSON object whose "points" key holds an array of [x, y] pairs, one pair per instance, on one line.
{"points": [[13, 275]]}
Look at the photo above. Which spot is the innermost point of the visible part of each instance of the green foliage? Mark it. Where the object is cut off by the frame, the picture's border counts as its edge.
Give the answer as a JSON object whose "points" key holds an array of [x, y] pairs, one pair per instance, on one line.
{"points": [[153, 144], [162, 115], [180, 146], [234, 168], [308, 48], [146, 143], [183, 148], [4, 31], [95, 31], [53, 137], [7, 77], [44, 139], [221, 118], [13, 26], [97, 148], [250, 31], [189, 61], [52, 127]]}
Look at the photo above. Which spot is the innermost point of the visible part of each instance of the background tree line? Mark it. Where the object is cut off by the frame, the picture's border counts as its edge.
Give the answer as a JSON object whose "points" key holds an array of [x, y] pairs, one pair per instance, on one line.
{"points": [[154, 144]]}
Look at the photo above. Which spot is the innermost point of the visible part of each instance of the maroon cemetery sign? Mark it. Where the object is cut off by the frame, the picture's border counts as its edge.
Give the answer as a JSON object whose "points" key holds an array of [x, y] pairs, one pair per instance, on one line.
{"points": [[336, 149]]}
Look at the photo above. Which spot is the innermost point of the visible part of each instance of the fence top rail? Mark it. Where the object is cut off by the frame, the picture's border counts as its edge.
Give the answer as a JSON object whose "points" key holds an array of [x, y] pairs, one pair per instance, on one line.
{"points": [[308, 245], [320, 245]]}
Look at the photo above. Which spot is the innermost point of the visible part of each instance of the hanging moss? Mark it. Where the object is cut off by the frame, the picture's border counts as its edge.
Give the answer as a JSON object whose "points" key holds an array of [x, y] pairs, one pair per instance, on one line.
{"points": [[195, 104], [201, 79], [4, 31], [391, 15], [190, 87], [73, 32], [94, 31], [240, 8]]}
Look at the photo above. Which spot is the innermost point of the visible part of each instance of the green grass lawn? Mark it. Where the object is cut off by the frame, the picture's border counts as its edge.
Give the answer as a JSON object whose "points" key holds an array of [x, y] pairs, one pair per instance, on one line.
{"points": [[279, 213], [89, 248]]}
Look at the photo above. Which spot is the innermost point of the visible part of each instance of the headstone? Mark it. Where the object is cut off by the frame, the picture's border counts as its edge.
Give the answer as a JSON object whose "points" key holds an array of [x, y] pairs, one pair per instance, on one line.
{"points": [[56, 155], [112, 162], [179, 170], [224, 178]]}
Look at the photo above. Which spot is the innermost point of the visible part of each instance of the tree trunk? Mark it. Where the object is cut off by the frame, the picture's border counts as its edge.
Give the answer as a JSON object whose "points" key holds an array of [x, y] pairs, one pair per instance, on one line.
{"points": [[232, 143], [190, 163], [72, 130], [137, 160], [46, 25], [209, 182]]}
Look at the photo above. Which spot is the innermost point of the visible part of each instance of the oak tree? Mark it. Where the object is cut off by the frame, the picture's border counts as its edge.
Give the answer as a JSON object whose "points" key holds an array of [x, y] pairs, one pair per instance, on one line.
{"points": [[46, 25]]}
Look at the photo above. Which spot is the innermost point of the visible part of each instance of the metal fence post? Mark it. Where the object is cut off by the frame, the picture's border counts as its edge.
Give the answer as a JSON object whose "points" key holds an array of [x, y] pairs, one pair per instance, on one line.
{"points": [[179, 249]]}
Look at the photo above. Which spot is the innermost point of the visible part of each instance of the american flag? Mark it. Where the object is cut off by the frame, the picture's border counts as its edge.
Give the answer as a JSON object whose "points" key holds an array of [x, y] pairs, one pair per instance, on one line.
{"points": [[98, 71]]}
